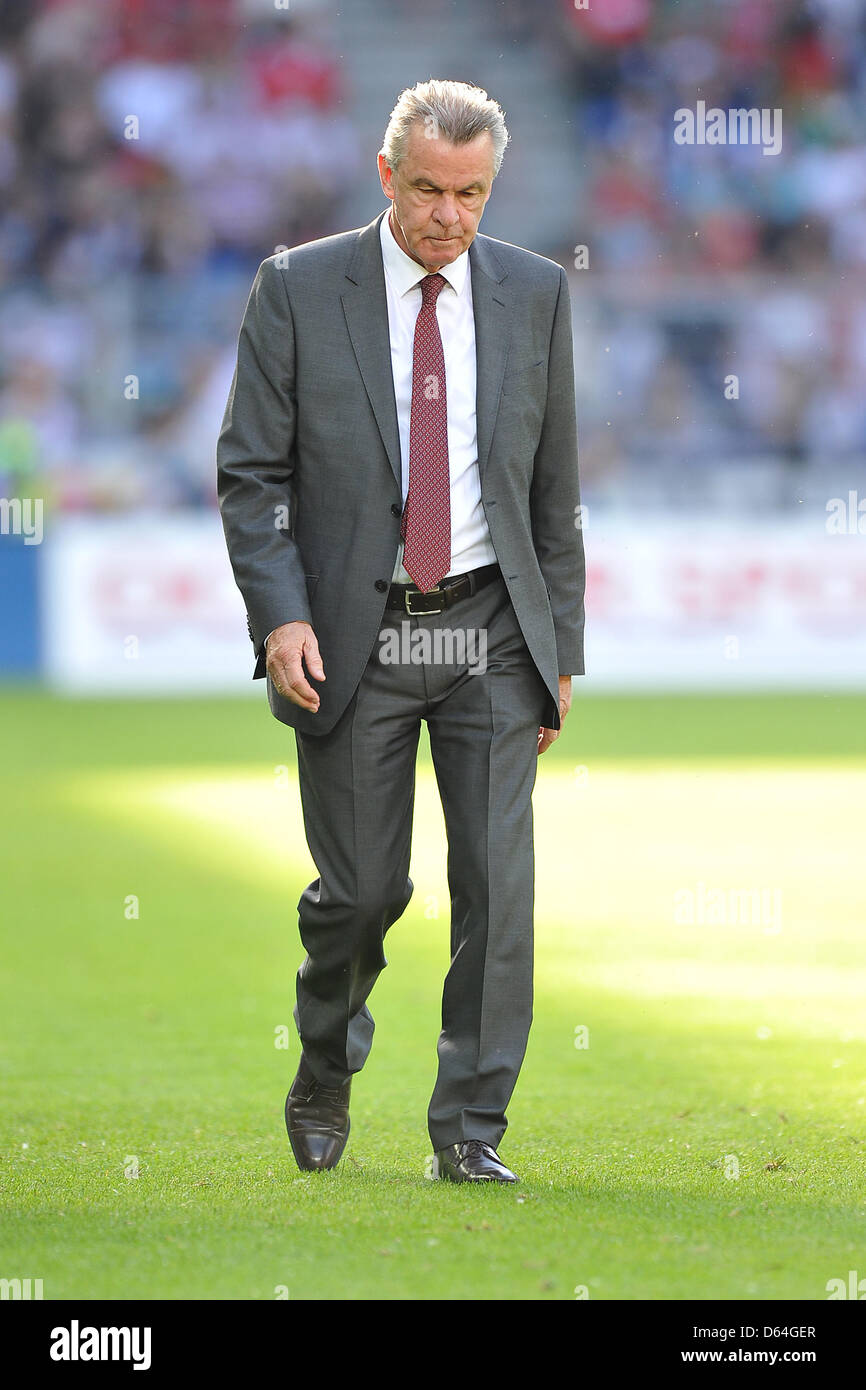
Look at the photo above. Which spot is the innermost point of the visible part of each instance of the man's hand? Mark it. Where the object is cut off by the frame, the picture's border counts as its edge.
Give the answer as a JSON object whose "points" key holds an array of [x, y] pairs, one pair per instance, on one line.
{"points": [[288, 648], [548, 736]]}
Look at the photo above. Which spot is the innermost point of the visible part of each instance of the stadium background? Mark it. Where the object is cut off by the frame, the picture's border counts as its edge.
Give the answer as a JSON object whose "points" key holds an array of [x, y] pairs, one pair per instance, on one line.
{"points": [[703, 1136]]}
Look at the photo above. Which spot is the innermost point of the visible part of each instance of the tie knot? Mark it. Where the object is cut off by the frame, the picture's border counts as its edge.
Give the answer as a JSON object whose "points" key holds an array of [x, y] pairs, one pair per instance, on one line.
{"points": [[430, 287]]}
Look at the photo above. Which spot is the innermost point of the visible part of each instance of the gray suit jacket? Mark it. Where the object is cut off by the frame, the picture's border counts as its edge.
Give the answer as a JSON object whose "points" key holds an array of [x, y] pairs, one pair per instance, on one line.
{"points": [[308, 457]]}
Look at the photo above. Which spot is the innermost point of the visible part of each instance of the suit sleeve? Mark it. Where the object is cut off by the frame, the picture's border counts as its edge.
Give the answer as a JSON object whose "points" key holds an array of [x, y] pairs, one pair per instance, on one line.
{"points": [[255, 452], [555, 496]]}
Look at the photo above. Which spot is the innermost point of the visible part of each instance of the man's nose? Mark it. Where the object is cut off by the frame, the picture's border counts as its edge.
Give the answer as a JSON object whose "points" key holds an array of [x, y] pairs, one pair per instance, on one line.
{"points": [[447, 215]]}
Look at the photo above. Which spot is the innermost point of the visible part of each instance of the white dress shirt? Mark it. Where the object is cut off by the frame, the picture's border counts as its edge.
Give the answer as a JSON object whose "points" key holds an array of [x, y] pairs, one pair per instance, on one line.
{"points": [[471, 545]]}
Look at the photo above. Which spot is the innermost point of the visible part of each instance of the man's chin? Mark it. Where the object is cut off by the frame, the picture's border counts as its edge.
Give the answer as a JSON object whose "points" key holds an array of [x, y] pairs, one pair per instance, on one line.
{"points": [[438, 253]]}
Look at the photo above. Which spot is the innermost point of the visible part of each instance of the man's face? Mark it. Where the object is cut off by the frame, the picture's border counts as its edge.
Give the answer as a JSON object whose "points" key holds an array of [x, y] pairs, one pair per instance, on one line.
{"points": [[438, 195]]}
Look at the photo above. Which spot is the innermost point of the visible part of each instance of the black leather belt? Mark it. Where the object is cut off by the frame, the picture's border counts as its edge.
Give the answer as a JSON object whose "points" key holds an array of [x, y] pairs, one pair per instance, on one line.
{"points": [[457, 586]]}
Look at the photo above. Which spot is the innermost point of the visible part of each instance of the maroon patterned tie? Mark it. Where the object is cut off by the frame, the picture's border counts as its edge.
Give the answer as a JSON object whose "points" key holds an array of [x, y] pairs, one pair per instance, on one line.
{"points": [[427, 515]]}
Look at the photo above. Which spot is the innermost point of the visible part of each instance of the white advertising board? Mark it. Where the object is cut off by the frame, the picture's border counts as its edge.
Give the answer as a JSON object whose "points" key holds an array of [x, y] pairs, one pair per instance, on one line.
{"points": [[149, 604], [145, 604], [699, 604]]}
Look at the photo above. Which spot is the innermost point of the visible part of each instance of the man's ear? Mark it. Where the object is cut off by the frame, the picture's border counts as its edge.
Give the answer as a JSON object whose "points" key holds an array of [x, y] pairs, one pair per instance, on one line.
{"points": [[386, 176]]}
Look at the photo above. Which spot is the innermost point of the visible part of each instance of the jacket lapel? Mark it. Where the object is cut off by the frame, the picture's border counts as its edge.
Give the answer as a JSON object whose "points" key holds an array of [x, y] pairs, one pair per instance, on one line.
{"points": [[492, 306], [366, 308]]}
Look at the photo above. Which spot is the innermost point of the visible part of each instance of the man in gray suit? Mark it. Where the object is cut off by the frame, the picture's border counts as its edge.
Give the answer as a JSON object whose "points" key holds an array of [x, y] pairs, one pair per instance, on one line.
{"points": [[398, 484]]}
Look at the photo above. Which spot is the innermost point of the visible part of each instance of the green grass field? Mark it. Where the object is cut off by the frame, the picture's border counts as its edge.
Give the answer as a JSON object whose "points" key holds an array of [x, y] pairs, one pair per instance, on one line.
{"points": [[708, 1142]]}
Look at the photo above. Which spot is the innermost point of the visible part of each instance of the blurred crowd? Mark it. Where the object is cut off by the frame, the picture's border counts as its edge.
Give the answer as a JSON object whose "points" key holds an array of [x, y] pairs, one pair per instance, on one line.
{"points": [[726, 318], [653, 202], [153, 151]]}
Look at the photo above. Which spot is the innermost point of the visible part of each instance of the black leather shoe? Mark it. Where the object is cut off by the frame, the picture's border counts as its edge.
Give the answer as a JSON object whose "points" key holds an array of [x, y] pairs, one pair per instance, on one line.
{"points": [[471, 1161], [317, 1119]]}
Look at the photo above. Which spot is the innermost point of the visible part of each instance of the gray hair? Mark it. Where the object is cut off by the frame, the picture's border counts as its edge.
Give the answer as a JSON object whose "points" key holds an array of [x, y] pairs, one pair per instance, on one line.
{"points": [[457, 111]]}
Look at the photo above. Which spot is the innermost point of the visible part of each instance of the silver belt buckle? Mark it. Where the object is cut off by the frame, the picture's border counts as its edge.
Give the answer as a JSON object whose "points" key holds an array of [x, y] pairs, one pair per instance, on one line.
{"points": [[422, 611]]}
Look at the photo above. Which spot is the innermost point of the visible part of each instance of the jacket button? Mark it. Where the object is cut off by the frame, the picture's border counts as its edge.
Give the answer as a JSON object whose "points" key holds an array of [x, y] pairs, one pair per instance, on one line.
{"points": [[395, 510], [382, 585]]}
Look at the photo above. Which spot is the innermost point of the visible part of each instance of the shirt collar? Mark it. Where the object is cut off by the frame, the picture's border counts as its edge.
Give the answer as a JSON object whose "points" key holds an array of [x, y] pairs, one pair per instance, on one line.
{"points": [[405, 274]]}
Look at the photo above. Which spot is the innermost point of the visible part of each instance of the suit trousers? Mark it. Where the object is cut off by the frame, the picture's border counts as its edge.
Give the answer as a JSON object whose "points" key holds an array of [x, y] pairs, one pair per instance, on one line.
{"points": [[484, 701]]}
